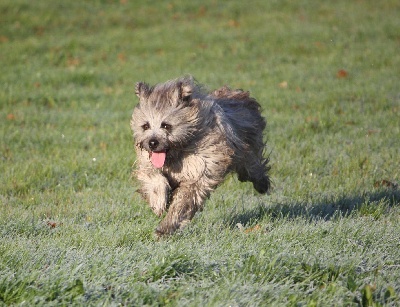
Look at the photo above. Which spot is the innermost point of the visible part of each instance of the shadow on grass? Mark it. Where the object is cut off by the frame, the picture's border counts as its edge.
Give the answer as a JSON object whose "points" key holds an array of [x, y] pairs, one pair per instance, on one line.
{"points": [[371, 203]]}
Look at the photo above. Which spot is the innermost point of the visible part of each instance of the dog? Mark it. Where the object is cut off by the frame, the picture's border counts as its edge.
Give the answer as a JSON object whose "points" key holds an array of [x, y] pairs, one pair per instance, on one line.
{"points": [[187, 140]]}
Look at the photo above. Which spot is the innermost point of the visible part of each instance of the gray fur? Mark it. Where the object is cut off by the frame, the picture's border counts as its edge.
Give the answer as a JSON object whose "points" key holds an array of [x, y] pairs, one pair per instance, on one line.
{"points": [[203, 136]]}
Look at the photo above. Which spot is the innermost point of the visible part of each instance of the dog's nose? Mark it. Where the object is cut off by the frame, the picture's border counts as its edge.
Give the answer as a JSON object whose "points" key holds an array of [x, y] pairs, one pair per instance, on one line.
{"points": [[153, 143]]}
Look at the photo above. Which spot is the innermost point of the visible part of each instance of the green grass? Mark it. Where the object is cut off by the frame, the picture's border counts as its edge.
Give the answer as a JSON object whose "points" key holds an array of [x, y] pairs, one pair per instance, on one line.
{"points": [[74, 232]]}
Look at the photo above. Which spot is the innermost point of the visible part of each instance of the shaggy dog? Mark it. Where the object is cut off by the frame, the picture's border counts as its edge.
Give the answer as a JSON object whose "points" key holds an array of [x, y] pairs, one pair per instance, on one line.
{"points": [[188, 140]]}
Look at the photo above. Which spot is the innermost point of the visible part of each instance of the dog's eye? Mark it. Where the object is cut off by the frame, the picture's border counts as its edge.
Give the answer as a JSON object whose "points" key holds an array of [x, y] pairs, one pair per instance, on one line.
{"points": [[166, 126], [146, 126]]}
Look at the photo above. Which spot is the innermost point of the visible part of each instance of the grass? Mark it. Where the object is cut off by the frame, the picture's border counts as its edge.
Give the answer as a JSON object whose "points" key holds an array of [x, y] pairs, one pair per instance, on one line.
{"points": [[73, 230]]}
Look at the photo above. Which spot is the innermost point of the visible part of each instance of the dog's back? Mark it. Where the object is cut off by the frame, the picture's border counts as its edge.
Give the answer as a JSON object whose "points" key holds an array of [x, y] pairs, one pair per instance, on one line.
{"points": [[239, 116]]}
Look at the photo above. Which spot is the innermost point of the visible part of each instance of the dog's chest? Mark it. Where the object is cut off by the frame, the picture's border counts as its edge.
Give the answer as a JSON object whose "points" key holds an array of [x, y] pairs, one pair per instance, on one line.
{"points": [[185, 170]]}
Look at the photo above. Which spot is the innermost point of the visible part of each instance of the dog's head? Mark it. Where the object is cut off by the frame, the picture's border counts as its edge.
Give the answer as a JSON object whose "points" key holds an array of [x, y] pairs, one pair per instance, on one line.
{"points": [[166, 117]]}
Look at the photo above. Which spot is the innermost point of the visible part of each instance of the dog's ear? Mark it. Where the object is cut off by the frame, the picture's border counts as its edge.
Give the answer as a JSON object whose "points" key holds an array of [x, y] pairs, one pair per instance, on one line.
{"points": [[186, 89], [186, 92], [141, 90]]}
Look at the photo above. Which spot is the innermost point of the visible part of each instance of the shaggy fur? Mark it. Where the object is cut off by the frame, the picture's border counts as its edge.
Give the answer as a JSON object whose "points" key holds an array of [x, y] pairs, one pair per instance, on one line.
{"points": [[187, 140]]}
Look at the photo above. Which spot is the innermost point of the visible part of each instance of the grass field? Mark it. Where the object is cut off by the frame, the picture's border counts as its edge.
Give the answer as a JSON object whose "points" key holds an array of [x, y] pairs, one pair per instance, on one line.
{"points": [[73, 230]]}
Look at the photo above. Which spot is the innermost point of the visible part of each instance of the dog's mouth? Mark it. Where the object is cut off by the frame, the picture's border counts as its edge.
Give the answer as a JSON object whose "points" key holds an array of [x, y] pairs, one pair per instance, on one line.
{"points": [[157, 158]]}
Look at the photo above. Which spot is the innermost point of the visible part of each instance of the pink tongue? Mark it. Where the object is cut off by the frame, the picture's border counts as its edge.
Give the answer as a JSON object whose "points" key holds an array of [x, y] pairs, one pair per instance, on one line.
{"points": [[158, 159]]}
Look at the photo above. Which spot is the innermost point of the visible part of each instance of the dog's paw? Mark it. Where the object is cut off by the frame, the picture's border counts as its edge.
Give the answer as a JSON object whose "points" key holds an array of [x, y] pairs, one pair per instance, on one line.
{"points": [[164, 229], [159, 211], [262, 186]]}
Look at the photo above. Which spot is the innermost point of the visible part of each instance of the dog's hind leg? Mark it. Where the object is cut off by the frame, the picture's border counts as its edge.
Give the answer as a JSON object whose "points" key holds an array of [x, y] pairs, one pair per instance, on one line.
{"points": [[261, 184], [259, 177], [255, 169]]}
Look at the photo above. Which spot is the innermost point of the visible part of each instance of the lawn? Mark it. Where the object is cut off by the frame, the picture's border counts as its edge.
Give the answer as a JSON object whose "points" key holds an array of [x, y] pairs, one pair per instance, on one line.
{"points": [[73, 230]]}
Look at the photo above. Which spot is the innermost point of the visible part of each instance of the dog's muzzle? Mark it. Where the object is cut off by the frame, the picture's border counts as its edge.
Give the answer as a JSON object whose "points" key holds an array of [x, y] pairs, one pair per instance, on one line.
{"points": [[153, 144]]}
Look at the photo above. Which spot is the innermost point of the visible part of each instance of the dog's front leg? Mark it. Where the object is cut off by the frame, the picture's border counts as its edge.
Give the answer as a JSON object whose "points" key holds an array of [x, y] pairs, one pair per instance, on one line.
{"points": [[186, 201], [155, 189]]}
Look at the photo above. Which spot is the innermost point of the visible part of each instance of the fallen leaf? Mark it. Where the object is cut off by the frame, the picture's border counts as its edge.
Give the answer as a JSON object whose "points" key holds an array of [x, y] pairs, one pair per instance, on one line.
{"points": [[372, 131], [37, 84], [342, 74], [104, 56], [318, 45], [10, 116], [252, 229], [108, 90], [39, 30], [73, 62], [202, 11], [103, 145], [51, 224], [339, 111], [313, 122], [3, 39], [385, 183], [283, 84], [122, 57], [233, 23], [310, 119]]}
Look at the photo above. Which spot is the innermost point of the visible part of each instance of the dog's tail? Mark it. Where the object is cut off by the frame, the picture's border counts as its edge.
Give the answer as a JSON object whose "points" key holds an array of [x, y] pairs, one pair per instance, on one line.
{"points": [[238, 95]]}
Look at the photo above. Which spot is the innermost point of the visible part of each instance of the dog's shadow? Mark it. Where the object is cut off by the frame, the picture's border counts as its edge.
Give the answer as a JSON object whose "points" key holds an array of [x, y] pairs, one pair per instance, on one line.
{"points": [[365, 203]]}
